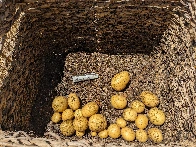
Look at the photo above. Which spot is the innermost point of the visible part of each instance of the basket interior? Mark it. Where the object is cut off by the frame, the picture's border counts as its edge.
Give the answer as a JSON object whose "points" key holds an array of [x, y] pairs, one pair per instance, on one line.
{"points": [[55, 37]]}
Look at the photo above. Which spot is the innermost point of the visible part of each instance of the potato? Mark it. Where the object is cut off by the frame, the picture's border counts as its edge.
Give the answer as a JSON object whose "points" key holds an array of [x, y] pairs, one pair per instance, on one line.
{"points": [[66, 127], [67, 114], [78, 113], [93, 133], [121, 122], [80, 134], [73, 101], [141, 121], [103, 134], [149, 99], [59, 104], [156, 116], [137, 106], [97, 123], [120, 80], [118, 101], [80, 124], [129, 114], [56, 117], [128, 134], [90, 109], [155, 135], [141, 135], [114, 131]]}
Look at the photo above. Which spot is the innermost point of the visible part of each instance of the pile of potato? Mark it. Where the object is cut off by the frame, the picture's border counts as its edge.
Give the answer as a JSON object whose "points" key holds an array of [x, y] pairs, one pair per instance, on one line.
{"points": [[76, 120]]}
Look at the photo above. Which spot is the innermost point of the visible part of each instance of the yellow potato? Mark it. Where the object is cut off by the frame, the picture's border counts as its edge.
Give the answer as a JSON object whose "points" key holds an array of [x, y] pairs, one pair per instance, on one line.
{"points": [[80, 124], [118, 101], [103, 134], [120, 80], [78, 113], [149, 99], [114, 131], [141, 121], [128, 134], [80, 134], [73, 101], [66, 127], [156, 116], [97, 123], [141, 135], [129, 114], [90, 109], [59, 104], [121, 122], [93, 134], [56, 117], [137, 106], [155, 135], [67, 114]]}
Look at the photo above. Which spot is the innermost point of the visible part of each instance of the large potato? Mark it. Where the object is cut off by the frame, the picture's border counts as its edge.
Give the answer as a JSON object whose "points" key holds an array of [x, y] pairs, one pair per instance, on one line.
{"points": [[80, 124], [137, 106], [67, 114], [118, 101], [120, 80], [59, 104], [156, 116], [141, 121], [73, 101], [129, 114], [90, 109], [149, 99], [114, 131], [155, 135], [128, 134], [141, 135], [103, 134], [121, 122], [97, 123], [66, 127]]}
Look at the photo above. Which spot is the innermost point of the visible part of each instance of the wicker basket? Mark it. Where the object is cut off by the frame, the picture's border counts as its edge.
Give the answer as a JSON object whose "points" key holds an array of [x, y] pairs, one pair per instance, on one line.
{"points": [[32, 33]]}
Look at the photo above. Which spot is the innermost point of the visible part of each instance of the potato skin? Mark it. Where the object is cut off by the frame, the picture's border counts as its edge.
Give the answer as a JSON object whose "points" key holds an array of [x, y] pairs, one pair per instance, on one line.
{"points": [[156, 116], [59, 104], [120, 80], [78, 113], [80, 134], [97, 123], [67, 114], [121, 122], [114, 131], [103, 134], [118, 101], [129, 114], [141, 121], [73, 101], [80, 124], [149, 99], [56, 117], [128, 134], [138, 106], [141, 135], [93, 134], [90, 109], [66, 128], [155, 135]]}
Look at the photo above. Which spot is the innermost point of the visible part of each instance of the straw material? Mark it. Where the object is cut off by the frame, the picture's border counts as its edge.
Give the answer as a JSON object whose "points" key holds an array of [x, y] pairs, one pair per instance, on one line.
{"points": [[44, 43]]}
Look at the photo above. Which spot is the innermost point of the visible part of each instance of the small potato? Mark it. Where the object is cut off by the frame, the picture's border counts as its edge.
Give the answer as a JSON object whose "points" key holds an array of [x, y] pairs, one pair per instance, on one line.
{"points": [[156, 116], [73, 101], [80, 124], [78, 113], [90, 109], [118, 101], [103, 134], [121, 122], [129, 114], [93, 134], [149, 99], [141, 135], [56, 117], [80, 134], [128, 134], [97, 123], [141, 121], [59, 104], [120, 80], [137, 106], [67, 114], [114, 131], [155, 135], [66, 127]]}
